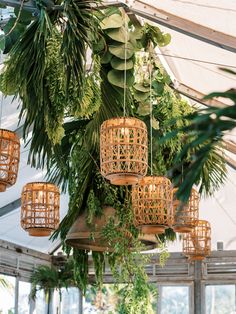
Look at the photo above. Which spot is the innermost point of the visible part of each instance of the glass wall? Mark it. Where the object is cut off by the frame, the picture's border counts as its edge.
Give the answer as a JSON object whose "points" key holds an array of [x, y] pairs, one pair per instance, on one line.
{"points": [[23, 299], [220, 299], [70, 299], [174, 300], [7, 294]]}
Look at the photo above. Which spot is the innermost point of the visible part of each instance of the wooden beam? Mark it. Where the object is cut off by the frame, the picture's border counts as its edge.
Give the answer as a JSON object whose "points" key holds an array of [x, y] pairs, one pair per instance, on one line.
{"points": [[10, 207], [229, 146], [183, 25], [230, 161], [198, 96]]}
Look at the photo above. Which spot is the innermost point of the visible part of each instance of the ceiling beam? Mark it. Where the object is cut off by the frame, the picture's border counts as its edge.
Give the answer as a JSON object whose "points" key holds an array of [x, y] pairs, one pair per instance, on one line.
{"points": [[184, 26], [29, 5], [156, 15], [230, 161], [10, 207], [198, 96], [229, 146]]}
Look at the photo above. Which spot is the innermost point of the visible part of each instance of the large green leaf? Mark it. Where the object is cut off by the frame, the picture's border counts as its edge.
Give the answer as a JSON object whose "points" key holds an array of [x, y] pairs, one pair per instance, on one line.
{"points": [[141, 88], [2, 42], [140, 96], [166, 39], [118, 50], [119, 34], [99, 45], [143, 109], [119, 64], [12, 35], [112, 21], [158, 87], [116, 78], [25, 16], [106, 57]]}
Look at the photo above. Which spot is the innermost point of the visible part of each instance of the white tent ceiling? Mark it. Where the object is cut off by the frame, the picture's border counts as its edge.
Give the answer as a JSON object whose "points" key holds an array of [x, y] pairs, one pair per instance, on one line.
{"points": [[191, 62]]}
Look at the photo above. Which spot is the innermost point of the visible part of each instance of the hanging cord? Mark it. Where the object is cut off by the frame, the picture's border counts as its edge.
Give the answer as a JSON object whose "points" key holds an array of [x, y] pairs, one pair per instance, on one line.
{"points": [[1, 111], [150, 103], [125, 74]]}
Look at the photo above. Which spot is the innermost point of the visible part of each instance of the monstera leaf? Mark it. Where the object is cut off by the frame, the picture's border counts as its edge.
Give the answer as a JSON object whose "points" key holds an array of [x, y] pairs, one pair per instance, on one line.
{"points": [[118, 34], [113, 21], [116, 78], [118, 50], [119, 64], [106, 58], [141, 88], [140, 96]]}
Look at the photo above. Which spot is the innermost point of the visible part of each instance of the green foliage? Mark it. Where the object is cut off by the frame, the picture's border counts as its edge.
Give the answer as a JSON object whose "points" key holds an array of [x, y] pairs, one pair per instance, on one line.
{"points": [[81, 268], [205, 130], [50, 278], [99, 265], [5, 284]]}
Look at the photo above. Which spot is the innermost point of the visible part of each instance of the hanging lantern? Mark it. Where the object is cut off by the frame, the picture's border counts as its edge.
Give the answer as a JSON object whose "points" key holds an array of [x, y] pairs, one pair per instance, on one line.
{"points": [[89, 237], [123, 150], [40, 204], [197, 243], [9, 158], [185, 215], [152, 204]]}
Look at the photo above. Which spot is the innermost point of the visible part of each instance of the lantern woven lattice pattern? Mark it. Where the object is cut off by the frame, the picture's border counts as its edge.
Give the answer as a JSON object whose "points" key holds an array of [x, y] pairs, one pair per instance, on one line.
{"points": [[185, 215], [123, 150], [9, 158], [40, 203], [152, 204], [197, 243]]}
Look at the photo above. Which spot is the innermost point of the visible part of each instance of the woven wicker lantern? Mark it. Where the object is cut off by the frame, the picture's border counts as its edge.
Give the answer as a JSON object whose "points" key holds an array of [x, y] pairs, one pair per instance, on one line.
{"points": [[152, 204], [9, 158], [123, 150], [197, 243], [40, 203], [185, 215]]}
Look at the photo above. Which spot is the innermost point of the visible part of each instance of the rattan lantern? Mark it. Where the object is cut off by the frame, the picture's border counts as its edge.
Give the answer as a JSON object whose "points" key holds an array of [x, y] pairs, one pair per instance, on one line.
{"points": [[152, 204], [197, 243], [9, 158], [123, 150], [40, 202], [185, 215]]}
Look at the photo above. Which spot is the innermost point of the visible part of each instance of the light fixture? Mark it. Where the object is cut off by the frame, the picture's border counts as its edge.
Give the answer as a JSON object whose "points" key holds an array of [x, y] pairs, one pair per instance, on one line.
{"points": [[152, 204], [185, 215], [123, 143], [123, 150], [40, 202], [152, 196], [9, 158], [197, 243]]}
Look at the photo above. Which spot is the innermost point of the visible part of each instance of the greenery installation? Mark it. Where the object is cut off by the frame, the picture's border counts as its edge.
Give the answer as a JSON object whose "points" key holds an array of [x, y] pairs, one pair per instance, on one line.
{"points": [[64, 103], [205, 130]]}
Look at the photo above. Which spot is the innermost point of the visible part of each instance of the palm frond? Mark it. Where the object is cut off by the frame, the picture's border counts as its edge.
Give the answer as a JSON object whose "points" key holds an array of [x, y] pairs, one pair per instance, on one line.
{"points": [[204, 132]]}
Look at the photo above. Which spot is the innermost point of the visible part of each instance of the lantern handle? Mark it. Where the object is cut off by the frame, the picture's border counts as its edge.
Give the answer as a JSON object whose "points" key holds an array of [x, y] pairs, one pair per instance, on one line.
{"points": [[125, 74], [150, 104]]}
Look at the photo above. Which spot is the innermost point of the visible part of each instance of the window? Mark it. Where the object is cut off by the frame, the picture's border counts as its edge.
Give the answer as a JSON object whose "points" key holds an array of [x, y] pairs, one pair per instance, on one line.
{"points": [[220, 299], [70, 301], [40, 303], [174, 300], [7, 294], [23, 301]]}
